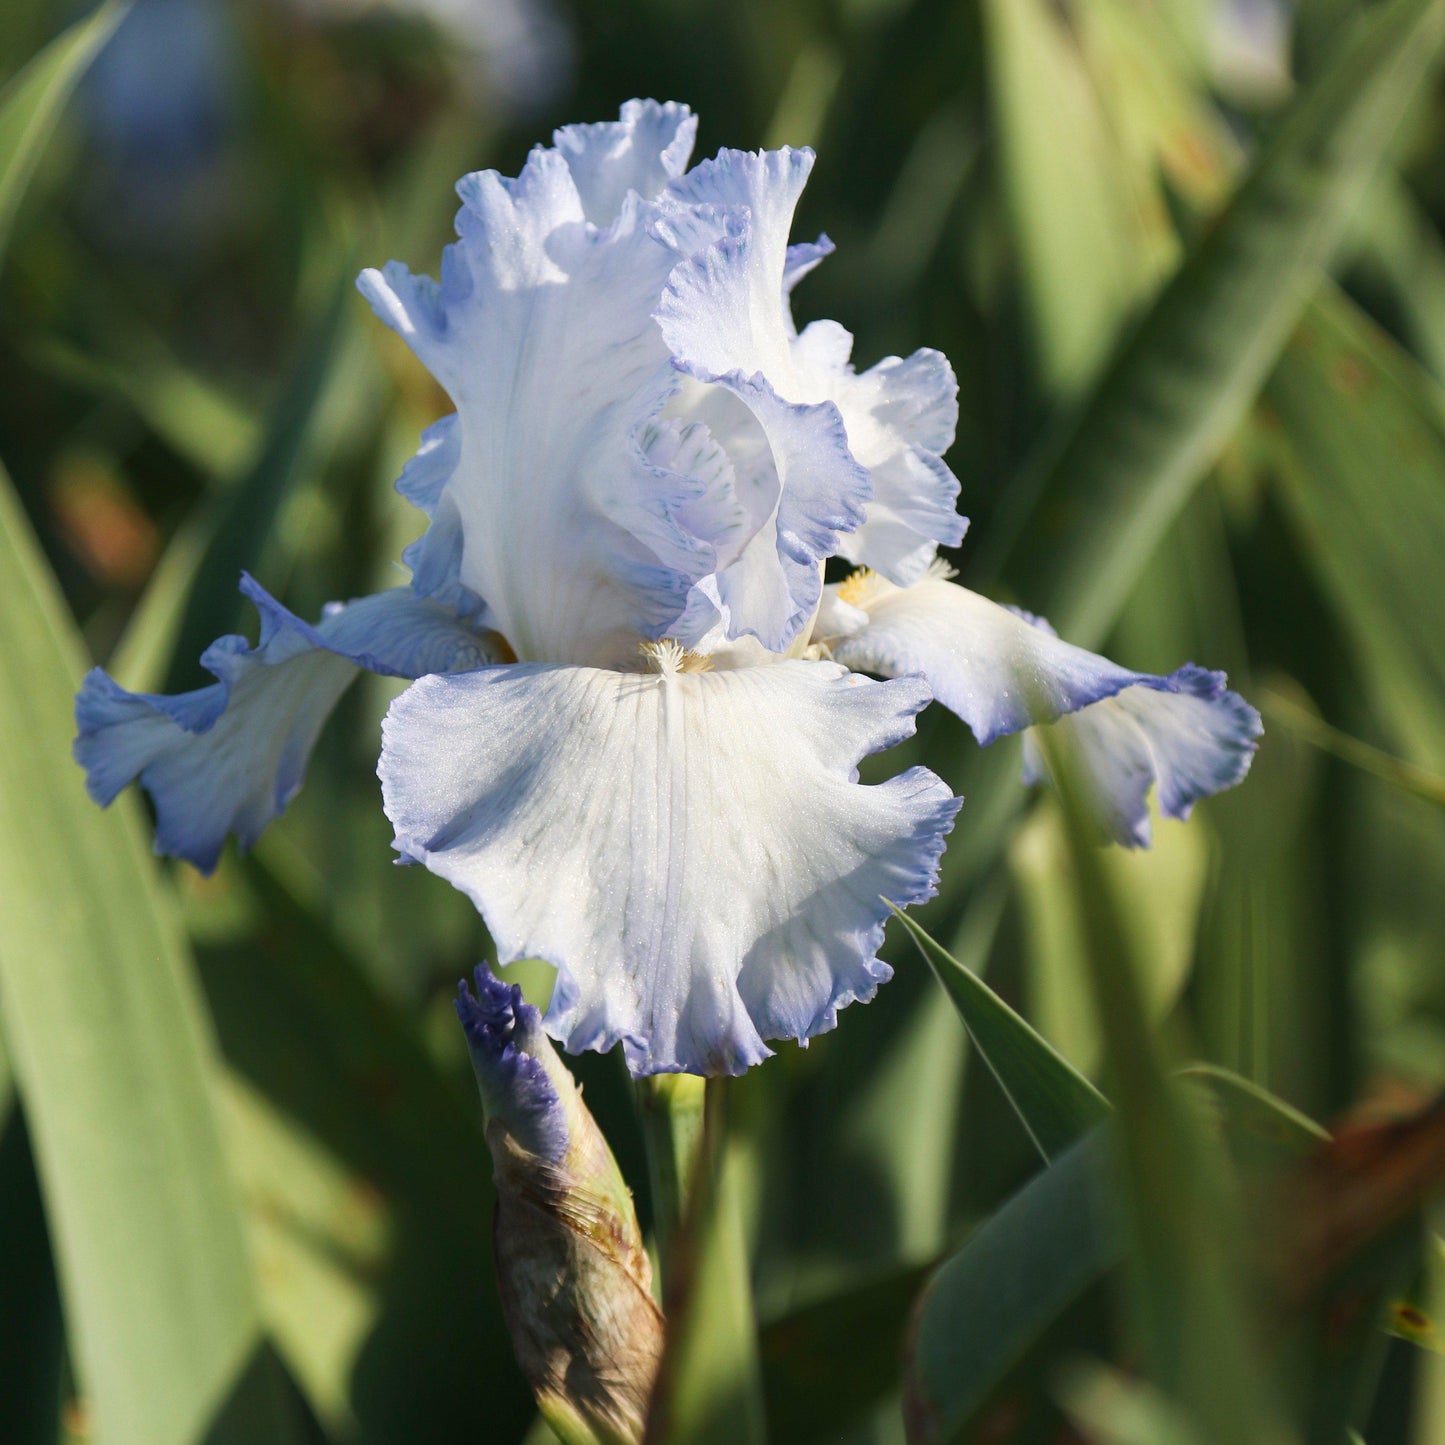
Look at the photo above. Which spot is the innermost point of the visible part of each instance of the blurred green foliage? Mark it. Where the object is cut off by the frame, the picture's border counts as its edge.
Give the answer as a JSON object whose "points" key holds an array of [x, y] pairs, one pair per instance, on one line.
{"points": [[1186, 257]]}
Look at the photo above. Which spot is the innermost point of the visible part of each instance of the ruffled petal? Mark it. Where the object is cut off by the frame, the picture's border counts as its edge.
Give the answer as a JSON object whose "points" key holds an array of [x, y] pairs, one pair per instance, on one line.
{"points": [[798, 489], [806, 256], [900, 417], [228, 758], [1186, 734], [733, 317], [1002, 671], [647, 146], [644, 446], [724, 316], [435, 558], [542, 333], [692, 850]]}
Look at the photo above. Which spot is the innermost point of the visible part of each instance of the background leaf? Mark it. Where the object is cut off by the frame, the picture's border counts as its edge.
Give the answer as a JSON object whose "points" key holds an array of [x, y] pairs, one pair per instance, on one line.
{"points": [[1180, 384], [31, 104], [115, 1067], [1055, 1104]]}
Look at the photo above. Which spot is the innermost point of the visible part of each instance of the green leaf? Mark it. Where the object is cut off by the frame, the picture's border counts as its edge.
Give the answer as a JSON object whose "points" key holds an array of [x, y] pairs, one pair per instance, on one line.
{"points": [[114, 1062], [197, 419], [1082, 248], [1162, 887], [1122, 468], [361, 1165], [33, 101], [1251, 1113], [1191, 1304], [1358, 433], [1112, 1408], [1053, 1101], [1307, 724], [995, 1298]]}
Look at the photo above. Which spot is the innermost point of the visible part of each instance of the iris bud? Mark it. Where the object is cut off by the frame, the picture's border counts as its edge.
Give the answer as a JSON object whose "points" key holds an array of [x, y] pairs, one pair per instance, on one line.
{"points": [[574, 1278]]}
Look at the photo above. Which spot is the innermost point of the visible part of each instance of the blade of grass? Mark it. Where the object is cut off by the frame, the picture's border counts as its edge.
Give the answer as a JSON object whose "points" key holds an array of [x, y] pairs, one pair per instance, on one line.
{"points": [[237, 534], [1344, 398], [1082, 253], [1418, 782]]}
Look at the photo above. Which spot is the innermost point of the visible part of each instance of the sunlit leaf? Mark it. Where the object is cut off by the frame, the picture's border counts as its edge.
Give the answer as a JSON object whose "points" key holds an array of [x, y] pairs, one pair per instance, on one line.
{"points": [[1194, 1319], [1082, 247], [115, 1065], [1111, 1408], [1360, 442], [1121, 469], [1161, 888], [1054, 1102]]}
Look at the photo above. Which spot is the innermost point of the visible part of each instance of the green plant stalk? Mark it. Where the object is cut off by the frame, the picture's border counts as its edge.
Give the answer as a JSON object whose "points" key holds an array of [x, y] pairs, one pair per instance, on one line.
{"points": [[672, 1108]]}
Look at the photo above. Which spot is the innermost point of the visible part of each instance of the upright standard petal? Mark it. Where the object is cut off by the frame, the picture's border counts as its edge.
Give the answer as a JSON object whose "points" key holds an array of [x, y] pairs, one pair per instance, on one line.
{"points": [[435, 558], [725, 318], [1002, 671], [900, 417], [647, 146], [691, 849], [542, 333], [229, 757]]}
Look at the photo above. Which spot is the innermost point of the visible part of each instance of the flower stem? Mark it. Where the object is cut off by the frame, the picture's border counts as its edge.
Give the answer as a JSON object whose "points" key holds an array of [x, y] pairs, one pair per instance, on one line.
{"points": [[672, 1116]]}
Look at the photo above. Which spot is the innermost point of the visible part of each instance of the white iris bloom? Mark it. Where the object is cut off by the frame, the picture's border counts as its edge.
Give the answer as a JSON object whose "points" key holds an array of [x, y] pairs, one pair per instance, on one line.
{"points": [[635, 735]]}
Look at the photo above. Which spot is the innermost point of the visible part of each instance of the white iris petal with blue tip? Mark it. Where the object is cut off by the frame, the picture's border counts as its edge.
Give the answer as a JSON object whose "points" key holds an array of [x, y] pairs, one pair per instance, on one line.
{"points": [[635, 735]]}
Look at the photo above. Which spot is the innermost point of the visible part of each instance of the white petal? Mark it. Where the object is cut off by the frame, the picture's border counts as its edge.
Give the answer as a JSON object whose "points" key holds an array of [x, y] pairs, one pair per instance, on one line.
{"points": [[725, 318], [1002, 672], [735, 318], [229, 757], [1184, 733], [647, 146], [542, 333], [693, 851], [900, 417]]}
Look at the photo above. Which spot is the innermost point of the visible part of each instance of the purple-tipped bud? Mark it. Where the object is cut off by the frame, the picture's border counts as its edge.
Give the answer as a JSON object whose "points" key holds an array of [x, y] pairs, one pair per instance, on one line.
{"points": [[574, 1278], [507, 1045]]}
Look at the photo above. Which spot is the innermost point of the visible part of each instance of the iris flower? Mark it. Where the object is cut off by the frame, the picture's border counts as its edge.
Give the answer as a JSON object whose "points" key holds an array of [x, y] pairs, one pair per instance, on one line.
{"points": [[634, 735]]}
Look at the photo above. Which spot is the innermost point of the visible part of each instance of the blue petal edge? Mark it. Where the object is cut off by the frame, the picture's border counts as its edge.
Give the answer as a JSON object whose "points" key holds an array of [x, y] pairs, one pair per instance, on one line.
{"points": [[208, 781], [1181, 773]]}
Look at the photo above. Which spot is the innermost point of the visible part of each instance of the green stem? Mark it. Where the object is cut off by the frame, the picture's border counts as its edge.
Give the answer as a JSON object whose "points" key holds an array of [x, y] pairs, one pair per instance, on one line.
{"points": [[672, 1116]]}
